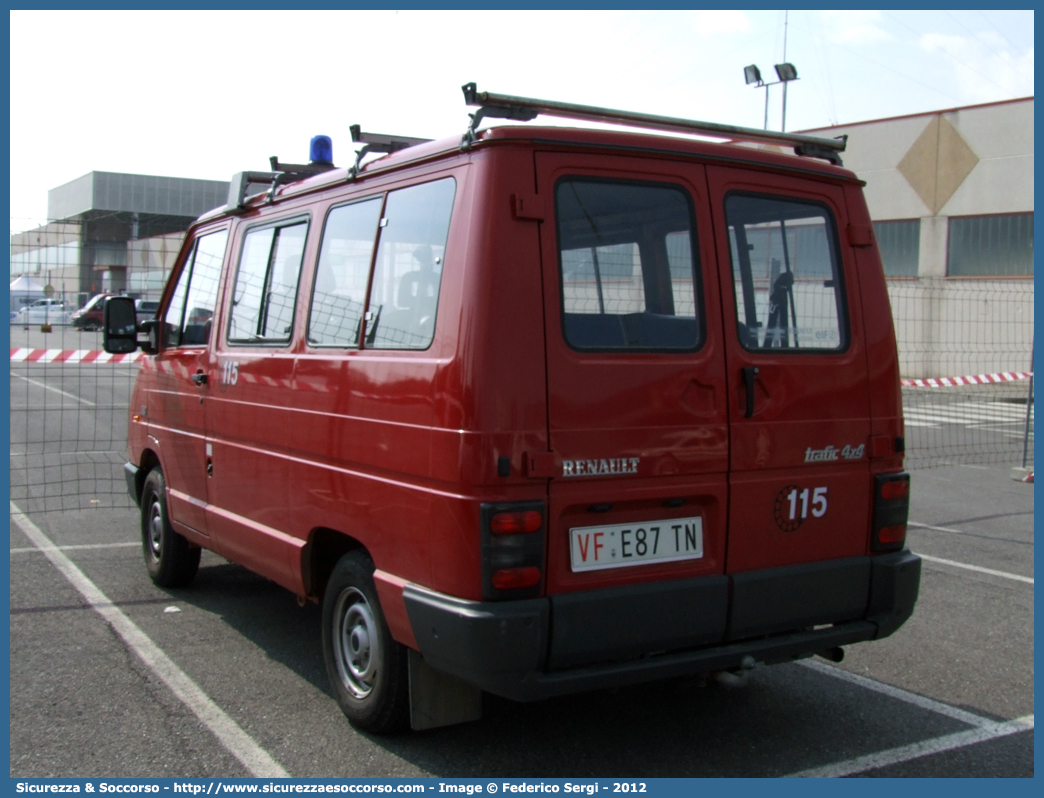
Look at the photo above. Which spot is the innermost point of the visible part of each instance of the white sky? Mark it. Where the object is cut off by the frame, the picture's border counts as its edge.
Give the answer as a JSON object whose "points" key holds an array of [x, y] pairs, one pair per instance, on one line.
{"points": [[207, 94]]}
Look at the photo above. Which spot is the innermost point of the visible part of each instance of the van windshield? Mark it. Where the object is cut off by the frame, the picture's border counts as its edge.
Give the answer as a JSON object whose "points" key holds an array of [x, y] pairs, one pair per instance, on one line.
{"points": [[627, 266]]}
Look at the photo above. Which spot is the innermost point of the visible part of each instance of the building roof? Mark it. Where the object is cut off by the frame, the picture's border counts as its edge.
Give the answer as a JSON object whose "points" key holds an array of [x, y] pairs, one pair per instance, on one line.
{"points": [[113, 191], [920, 113]]}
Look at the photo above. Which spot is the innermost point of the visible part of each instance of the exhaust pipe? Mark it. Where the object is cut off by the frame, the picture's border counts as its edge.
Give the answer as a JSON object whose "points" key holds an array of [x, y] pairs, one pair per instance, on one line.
{"points": [[737, 677]]}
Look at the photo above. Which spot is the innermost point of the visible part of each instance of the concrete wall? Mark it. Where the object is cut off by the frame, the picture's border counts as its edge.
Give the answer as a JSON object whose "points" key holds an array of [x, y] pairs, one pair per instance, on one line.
{"points": [[952, 328]]}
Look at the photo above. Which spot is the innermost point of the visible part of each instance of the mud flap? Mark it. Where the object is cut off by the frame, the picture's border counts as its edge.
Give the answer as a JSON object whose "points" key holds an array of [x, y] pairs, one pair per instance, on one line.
{"points": [[437, 699]]}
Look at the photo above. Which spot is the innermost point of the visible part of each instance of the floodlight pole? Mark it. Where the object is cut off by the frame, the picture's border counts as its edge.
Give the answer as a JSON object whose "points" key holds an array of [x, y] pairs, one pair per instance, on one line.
{"points": [[786, 21]]}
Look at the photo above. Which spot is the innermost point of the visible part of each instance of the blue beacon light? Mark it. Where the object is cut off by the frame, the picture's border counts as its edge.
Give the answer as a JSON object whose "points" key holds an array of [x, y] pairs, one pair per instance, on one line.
{"points": [[321, 150]]}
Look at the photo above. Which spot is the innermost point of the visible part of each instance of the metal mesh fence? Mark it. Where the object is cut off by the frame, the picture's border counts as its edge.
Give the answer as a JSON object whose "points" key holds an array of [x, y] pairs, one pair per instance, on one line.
{"points": [[68, 421], [966, 356], [70, 402]]}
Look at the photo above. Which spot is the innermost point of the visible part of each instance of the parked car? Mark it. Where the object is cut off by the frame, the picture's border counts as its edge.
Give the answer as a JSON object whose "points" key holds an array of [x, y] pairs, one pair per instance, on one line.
{"points": [[537, 410], [145, 309], [45, 311], [89, 317]]}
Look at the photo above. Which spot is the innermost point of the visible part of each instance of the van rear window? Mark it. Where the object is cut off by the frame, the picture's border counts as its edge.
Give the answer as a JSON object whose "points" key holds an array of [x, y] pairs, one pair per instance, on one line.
{"points": [[627, 266], [407, 270], [786, 275], [339, 295]]}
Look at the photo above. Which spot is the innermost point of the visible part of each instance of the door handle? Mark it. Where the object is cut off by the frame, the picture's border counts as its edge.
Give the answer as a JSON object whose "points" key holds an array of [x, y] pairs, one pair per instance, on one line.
{"points": [[749, 372], [199, 378]]}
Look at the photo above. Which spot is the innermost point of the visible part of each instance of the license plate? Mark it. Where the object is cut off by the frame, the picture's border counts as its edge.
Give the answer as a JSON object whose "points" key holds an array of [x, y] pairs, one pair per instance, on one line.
{"points": [[594, 547]]}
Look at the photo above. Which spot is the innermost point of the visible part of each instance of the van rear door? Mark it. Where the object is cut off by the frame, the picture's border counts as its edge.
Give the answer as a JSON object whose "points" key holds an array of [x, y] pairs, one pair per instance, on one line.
{"points": [[797, 371], [636, 405]]}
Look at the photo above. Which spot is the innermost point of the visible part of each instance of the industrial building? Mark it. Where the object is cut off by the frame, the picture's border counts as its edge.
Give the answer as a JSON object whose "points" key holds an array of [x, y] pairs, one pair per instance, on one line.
{"points": [[951, 196], [112, 232]]}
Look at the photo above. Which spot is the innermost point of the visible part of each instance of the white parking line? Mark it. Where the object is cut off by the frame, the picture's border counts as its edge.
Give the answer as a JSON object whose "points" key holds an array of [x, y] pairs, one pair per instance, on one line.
{"points": [[905, 753], [76, 547], [242, 746], [47, 387], [921, 701], [979, 568], [984, 728]]}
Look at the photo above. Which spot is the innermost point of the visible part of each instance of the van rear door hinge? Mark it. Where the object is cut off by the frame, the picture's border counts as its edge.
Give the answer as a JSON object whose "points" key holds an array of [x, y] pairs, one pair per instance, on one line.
{"points": [[527, 206], [860, 235]]}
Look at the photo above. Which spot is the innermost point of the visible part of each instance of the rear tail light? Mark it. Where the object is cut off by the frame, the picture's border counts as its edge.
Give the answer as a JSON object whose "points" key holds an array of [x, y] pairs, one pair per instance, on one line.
{"points": [[895, 489], [891, 509], [514, 578], [892, 534], [512, 523], [513, 542]]}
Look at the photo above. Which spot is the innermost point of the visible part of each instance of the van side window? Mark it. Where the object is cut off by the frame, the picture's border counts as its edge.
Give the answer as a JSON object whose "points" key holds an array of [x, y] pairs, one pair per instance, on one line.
{"points": [[188, 317], [786, 278], [628, 272], [408, 269], [339, 294], [266, 284]]}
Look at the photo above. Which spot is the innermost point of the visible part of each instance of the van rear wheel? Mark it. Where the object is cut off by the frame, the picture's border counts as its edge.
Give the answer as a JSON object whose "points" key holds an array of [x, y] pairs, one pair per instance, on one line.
{"points": [[366, 667], [170, 559]]}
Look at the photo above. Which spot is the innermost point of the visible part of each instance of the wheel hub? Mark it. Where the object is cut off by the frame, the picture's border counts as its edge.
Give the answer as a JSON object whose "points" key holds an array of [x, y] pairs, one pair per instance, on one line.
{"points": [[155, 529], [356, 648]]}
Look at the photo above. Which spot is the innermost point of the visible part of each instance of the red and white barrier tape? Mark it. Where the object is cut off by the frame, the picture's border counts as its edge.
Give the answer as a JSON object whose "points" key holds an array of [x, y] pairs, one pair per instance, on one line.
{"points": [[975, 379], [95, 356], [99, 357]]}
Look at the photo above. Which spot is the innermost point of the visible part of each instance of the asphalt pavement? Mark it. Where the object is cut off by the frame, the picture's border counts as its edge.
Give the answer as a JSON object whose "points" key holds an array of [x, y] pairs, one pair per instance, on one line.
{"points": [[84, 703], [112, 676]]}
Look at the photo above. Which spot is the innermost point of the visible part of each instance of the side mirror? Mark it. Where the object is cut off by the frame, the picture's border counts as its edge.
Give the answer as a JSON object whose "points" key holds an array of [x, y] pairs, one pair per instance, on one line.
{"points": [[120, 325]]}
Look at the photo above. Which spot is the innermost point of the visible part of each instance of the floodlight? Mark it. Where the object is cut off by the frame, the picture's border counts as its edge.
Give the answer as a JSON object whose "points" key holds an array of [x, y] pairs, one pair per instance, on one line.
{"points": [[786, 72], [752, 74]]}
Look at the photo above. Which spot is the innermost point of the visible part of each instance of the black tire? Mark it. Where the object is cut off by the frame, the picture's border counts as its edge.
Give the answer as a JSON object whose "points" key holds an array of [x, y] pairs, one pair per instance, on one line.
{"points": [[171, 560], [368, 670], [91, 326]]}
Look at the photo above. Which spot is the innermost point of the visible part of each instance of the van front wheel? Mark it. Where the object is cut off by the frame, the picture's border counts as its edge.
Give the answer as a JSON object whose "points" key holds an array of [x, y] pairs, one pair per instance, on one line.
{"points": [[170, 559], [366, 667]]}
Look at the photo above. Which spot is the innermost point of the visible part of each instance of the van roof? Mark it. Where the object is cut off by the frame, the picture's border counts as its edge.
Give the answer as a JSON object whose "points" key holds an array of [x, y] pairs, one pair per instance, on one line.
{"points": [[618, 141]]}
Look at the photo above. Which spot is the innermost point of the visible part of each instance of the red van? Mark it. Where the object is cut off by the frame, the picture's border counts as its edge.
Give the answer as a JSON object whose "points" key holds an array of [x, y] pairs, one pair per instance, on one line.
{"points": [[535, 411]]}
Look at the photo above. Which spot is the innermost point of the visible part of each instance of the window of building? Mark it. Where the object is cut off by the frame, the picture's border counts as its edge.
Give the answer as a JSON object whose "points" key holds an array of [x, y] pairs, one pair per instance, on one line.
{"points": [[626, 266], [266, 284], [786, 274], [187, 319], [991, 246], [899, 242]]}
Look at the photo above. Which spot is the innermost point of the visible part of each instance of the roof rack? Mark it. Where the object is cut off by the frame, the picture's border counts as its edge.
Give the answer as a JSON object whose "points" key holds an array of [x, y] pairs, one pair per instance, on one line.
{"points": [[377, 142], [524, 109], [283, 173]]}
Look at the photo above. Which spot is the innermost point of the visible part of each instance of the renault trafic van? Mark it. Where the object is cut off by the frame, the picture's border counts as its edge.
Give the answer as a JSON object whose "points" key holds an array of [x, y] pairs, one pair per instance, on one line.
{"points": [[536, 410]]}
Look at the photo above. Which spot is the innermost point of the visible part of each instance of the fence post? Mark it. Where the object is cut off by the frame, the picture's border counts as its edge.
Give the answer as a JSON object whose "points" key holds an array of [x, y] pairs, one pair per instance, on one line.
{"points": [[1029, 410]]}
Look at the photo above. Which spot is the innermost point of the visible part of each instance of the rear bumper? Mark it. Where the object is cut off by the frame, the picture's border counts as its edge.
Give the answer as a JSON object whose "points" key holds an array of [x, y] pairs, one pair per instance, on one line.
{"points": [[542, 647]]}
